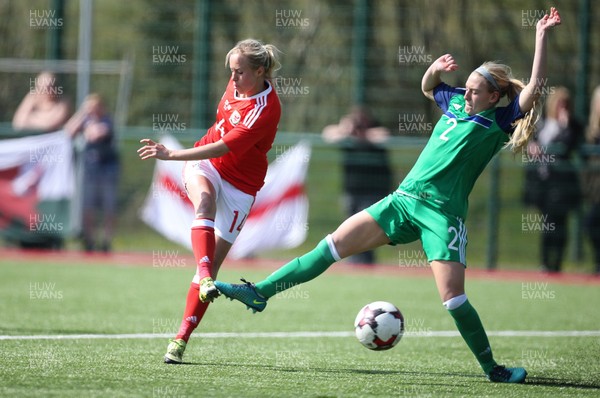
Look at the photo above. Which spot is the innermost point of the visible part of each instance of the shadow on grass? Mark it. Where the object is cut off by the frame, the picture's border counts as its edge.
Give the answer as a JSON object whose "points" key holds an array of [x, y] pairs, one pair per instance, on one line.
{"points": [[313, 369], [562, 383], [530, 381]]}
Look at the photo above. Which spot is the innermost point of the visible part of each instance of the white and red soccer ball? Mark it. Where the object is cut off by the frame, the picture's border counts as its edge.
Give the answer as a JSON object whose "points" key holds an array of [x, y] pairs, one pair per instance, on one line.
{"points": [[379, 326]]}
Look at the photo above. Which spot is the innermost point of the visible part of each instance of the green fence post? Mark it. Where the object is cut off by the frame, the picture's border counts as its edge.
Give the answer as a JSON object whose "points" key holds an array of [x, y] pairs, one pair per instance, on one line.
{"points": [[200, 84], [54, 48], [581, 107], [359, 49], [493, 214]]}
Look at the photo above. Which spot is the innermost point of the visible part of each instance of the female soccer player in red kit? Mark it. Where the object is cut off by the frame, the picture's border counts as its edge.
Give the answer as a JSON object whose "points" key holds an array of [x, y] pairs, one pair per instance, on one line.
{"points": [[224, 171]]}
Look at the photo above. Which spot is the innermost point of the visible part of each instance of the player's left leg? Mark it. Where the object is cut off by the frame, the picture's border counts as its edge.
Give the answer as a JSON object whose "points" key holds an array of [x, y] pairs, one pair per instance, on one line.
{"points": [[358, 233], [450, 281]]}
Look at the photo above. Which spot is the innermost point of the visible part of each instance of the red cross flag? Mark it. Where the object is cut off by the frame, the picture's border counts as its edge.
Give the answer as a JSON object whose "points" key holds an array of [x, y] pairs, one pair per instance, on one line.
{"points": [[278, 219]]}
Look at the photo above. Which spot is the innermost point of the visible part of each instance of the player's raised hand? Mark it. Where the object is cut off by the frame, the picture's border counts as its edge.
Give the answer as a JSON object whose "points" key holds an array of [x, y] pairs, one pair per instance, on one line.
{"points": [[445, 63], [549, 20], [432, 76], [153, 149]]}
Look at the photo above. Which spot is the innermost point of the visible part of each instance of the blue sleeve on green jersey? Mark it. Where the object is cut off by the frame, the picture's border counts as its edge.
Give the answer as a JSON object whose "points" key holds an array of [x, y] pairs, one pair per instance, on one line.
{"points": [[442, 93], [505, 116]]}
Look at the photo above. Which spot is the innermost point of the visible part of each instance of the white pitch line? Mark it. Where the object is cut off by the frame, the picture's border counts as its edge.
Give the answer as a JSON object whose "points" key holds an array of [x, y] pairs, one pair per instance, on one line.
{"points": [[252, 335]]}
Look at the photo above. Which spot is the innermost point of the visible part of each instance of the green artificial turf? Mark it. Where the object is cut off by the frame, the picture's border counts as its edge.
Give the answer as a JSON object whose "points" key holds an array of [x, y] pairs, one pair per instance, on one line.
{"points": [[143, 305]]}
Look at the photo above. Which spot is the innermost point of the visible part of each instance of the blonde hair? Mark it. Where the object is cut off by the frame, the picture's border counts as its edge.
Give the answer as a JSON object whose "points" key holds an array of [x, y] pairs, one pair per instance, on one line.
{"points": [[258, 54], [593, 128], [511, 87]]}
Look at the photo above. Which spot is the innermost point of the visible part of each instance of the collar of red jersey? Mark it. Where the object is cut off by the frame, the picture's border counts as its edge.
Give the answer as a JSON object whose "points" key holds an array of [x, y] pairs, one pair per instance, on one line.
{"points": [[264, 92]]}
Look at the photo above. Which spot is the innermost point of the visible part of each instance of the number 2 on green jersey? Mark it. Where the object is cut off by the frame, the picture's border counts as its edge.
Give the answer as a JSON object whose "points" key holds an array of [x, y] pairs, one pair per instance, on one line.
{"points": [[444, 135]]}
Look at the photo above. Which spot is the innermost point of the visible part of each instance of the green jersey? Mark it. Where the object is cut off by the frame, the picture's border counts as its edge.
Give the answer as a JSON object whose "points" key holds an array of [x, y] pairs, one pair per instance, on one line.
{"points": [[458, 150]]}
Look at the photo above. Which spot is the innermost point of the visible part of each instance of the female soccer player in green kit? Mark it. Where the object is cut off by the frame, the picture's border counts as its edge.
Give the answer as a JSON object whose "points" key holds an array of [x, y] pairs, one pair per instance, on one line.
{"points": [[431, 203]]}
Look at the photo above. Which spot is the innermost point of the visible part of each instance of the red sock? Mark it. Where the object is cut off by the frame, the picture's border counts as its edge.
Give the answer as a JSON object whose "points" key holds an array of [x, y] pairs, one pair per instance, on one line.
{"points": [[203, 245], [194, 311]]}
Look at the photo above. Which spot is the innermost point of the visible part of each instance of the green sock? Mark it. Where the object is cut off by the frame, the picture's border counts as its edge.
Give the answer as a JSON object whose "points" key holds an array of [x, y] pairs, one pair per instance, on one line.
{"points": [[299, 270], [470, 327]]}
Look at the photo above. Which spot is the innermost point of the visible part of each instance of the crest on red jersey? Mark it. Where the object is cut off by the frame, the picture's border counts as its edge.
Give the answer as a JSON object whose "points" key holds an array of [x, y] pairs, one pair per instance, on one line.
{"points": [[235, 117]]}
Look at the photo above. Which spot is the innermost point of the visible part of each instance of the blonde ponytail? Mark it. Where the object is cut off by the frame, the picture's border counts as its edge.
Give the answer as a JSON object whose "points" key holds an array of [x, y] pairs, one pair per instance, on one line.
{"points": [[258, 54], [511, 87]]}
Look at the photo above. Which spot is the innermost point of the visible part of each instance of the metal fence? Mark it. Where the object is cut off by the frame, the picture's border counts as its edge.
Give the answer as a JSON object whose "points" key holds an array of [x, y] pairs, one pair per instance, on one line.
{"points": [[334, 54]]}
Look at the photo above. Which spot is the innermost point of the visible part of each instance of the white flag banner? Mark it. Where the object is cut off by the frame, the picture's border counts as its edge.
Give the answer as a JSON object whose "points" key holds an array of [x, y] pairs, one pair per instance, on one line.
{"points": [[167, 208], [278, 219]]}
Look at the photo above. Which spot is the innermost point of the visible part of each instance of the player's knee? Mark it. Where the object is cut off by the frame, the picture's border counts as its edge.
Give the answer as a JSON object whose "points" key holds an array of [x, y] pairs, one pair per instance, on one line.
{"points": [[205, 204], [333, 247]]}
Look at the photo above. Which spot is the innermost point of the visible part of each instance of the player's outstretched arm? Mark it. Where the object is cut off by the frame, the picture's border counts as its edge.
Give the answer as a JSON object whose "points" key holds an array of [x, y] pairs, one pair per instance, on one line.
{"points": [[538, 71], [432, 76], [157, 150]]}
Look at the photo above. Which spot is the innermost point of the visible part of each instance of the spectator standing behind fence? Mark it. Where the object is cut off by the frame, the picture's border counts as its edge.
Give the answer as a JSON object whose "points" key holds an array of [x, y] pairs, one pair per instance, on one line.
{"points": [[552, 183], [592, 177], [100, 171], [44, 108], [367, 176]]}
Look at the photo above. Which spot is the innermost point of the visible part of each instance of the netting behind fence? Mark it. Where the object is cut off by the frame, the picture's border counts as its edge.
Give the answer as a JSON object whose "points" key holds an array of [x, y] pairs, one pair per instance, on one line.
{"points": [[335, 53]]}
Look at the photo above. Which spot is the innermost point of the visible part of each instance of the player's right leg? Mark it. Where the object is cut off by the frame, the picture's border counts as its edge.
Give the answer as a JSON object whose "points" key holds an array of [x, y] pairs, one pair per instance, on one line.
{"points": [[194, 308], [175, 351], [450, 280], [357, 234], [444, 240], [203, 186]]}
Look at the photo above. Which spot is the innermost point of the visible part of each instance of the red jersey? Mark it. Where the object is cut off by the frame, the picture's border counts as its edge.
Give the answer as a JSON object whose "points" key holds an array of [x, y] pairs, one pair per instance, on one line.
{"points": [[248, 127]]}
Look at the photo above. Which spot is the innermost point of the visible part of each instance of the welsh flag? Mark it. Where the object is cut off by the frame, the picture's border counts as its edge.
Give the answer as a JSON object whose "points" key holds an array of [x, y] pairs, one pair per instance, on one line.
{"points": [[167, 208], [37, 183], [278, 219]]}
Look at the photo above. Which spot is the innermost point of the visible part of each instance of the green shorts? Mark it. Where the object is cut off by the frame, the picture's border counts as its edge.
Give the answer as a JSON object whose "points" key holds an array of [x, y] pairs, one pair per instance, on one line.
{"points": [[405, 219]]}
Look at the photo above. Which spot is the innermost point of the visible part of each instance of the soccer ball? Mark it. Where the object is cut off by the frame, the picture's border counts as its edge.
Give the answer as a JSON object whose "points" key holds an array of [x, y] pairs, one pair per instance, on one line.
{"points": [[379, 326]]}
